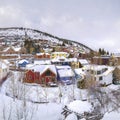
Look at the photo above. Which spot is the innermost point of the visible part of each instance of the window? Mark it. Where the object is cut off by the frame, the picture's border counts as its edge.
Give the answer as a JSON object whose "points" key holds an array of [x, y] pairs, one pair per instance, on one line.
{"points": [[100, 78], [98, 72], [48, 73]]}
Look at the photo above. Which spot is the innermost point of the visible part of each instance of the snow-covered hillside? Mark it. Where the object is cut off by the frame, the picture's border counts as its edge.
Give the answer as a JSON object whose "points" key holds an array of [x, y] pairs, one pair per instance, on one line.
{"points": [[20, 33]]}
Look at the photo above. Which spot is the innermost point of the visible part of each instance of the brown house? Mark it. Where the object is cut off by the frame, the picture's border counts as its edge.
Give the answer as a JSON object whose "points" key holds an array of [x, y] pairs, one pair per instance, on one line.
{"points": [[101, 60], [13, 50], [42, 56]]}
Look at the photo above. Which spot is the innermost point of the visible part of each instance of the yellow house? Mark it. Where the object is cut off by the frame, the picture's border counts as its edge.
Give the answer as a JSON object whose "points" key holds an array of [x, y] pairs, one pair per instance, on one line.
{"points": [[59, 54], [74, 63]]}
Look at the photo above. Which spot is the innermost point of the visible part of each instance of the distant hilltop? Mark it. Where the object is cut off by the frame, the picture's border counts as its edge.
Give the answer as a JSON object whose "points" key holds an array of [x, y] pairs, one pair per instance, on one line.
{"points": [[20, 33]]}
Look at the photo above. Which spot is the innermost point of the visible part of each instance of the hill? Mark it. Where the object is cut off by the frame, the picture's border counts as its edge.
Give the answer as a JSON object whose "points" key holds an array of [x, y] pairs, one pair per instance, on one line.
{"points": [[20, 33]]}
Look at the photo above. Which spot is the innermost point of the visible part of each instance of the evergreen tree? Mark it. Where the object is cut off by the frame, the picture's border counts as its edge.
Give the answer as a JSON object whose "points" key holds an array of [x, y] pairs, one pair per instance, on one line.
{"points": [[107, 53], [100, 51]]}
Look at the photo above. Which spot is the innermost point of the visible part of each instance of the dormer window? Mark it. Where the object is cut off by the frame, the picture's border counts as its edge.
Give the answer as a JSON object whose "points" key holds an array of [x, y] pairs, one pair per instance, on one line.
{"points": [[48, 73]]}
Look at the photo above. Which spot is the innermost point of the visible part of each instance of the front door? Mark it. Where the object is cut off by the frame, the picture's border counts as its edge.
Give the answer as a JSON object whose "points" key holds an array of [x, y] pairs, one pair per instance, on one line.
{"points": [[48, 79]]}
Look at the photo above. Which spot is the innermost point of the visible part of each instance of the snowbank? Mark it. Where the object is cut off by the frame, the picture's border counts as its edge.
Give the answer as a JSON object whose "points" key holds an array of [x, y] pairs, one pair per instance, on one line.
{"points": [[80, 106]]}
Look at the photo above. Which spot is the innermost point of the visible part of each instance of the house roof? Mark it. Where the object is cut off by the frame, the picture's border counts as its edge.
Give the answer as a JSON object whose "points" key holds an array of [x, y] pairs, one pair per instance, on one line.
{"points": [[42, 68], [59, 58], [83, 61], [73, 59], [63, 67], [42, 62], [99, 68], [42, 53], [79, 71], [13, 48], [22, 61], [66, 73], [62, 58], [94, 67]]}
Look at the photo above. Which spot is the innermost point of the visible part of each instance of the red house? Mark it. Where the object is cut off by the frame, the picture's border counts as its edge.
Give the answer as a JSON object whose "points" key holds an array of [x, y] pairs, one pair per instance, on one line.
{"points": [[32, 77], [41, 74], [48, 76]]}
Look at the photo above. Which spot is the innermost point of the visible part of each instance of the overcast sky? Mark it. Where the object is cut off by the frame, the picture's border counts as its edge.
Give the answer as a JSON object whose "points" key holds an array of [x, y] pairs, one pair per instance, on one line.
{"points": [[95, 23]]}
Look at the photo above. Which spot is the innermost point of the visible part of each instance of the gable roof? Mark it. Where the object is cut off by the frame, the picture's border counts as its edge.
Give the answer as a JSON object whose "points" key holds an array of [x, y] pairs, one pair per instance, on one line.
{"points": [[23, 61], [16, 49], [66, 73], [63, 67], [42, 62], [42, 68], [83, 61]]}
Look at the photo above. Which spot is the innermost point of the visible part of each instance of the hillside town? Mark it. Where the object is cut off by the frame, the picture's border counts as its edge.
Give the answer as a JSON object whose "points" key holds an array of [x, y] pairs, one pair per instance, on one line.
{"points": [[78, 83]]}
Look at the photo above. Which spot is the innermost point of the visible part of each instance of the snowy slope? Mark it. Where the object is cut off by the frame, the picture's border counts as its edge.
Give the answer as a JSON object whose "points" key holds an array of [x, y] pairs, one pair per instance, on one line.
{"points": [[20, 33]]}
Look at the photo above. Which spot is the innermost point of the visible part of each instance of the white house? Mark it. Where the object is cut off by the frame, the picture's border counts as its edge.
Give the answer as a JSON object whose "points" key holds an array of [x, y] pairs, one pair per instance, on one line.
{"points": [[4, 70], [101, 73]]}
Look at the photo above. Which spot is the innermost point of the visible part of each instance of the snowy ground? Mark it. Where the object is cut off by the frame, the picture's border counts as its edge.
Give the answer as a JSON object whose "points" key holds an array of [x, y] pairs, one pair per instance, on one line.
{"points": [[35, 93], [45, 103], [11, 109], [18, 101]]}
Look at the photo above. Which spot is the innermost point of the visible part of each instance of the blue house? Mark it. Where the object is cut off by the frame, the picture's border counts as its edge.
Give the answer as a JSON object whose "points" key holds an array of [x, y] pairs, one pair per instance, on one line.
{"points": [[23, 63], [65, 75]]}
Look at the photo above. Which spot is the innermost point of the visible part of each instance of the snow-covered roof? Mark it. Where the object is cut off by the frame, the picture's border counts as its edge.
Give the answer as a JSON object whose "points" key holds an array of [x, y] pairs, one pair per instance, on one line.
{"points": [[66, 73], [42, 53], [22, 61], [103, 56], [29, 66], [14, 48], [59, 58], [42, 68], [62, 58], [94, 67], [99, 68], [42, 62], [59, 53], [63, 67], [83, 61], [80, 106], [6, 49], [79, 71], [73, 59]]}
